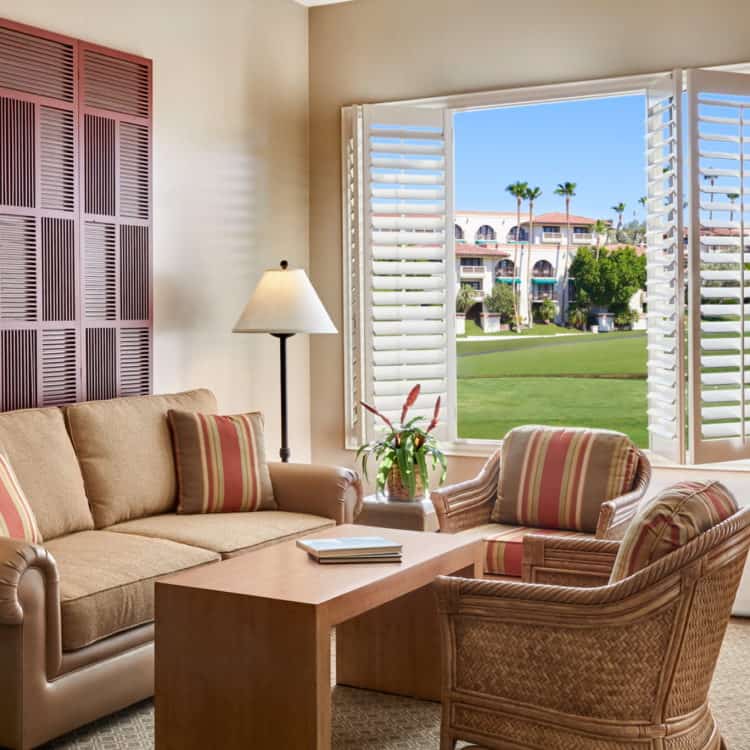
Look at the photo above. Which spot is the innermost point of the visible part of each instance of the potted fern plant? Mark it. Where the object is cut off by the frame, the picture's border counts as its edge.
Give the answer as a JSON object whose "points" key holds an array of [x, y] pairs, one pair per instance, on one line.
{"points": [[402, 452]]}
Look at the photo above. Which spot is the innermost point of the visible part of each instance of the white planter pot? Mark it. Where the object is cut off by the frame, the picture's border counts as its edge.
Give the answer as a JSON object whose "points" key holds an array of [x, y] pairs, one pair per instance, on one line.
{"points": [[460, 324], [594, 329], [490, 322]]}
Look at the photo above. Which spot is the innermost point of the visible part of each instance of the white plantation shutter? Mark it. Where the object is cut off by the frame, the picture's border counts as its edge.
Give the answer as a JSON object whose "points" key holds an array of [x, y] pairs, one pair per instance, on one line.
{"points": [[403, 251], [665, 270], [719, 275]]}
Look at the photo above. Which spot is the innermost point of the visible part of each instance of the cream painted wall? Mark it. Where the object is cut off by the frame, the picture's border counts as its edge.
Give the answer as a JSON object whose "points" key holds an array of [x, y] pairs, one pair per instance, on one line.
{"points": [[230, 181], [379, 50]]}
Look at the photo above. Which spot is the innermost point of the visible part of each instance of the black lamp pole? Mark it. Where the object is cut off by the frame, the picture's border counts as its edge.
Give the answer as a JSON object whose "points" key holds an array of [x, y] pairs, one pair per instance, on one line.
{"points": [[284, 452]]}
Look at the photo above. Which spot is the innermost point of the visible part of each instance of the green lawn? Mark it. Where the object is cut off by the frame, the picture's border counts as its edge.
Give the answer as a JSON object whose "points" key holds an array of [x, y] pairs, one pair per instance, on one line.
{"points": [[591, 380], [538, 329]]}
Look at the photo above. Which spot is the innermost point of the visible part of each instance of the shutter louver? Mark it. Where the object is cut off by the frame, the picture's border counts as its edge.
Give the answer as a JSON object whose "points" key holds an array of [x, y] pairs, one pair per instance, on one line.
{"points": [[101, 363], [135, 273], [18, 356], [100, 301], [59, 367], [99, 165], [17, 153], [58, 270], [135, 361], [134, 171], [665, 257], [116, 84], [719, 119], [407, 314], [18, 299], [57, 163]]}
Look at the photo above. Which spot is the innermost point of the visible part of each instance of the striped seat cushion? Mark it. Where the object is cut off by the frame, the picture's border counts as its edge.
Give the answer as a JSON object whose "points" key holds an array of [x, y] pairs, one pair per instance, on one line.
{"points": [[221, 463], [17, 520], [669, 521], [557, 478], [503, 549]]}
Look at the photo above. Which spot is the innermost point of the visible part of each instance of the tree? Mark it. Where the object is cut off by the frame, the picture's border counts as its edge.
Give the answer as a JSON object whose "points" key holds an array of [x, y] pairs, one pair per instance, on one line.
{"points": [[518, 190], [608, 279], [567, 190], [732, 198], [532, 194], [619, 209], [465, 298], [643, 200], [547, 310], [711, 180], [599, 228], [501, 300]]}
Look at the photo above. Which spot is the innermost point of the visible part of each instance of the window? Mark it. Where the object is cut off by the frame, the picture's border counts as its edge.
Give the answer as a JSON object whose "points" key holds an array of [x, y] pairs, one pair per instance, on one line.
{"points": [[505, 269], [518, 235], [549, 229], [473, 262], [458, 232], [485, 235], [400, 272], [474, 284]]}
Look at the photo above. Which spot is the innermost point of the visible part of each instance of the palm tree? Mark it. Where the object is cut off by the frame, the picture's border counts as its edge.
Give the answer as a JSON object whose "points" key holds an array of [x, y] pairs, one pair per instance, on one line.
{"points": [[619, 209], [643, 200], [567, 190], [598, 228], [518, 191], [732, 198], [532, 194], [711, 180]]}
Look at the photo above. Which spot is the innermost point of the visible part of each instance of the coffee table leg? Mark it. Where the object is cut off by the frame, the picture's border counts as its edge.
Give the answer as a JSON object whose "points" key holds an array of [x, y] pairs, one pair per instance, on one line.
{"points": [[238, 672], [396, 647]]}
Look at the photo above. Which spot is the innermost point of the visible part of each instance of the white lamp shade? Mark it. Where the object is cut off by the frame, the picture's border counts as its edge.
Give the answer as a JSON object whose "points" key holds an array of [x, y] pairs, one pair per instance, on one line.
{"points": [[284, 302]]}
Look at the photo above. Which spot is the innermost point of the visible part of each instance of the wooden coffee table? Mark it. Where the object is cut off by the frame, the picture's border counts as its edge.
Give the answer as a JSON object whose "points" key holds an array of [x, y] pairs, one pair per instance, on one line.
{"points": [[243, 655]]}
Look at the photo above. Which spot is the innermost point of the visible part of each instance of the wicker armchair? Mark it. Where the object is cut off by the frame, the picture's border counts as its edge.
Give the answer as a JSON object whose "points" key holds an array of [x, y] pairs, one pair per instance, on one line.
{"points": [[625, 666], [466, 507]]}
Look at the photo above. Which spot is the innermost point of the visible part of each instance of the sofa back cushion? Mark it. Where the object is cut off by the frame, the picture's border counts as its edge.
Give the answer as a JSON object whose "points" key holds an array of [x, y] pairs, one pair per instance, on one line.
{"points": [[558, 477], [669, 521], [221, 463], [17, 520], [38, 448], [125, 451]]}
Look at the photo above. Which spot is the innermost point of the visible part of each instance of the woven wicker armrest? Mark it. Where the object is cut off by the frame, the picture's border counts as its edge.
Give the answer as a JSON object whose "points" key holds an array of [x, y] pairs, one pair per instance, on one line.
{"points": [[468, 504], [616, 514], [568, 561], [17, 557]]}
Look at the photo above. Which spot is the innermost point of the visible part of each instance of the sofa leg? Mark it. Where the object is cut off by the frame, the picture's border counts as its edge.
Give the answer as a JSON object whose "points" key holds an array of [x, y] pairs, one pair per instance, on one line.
{"points": [[447, 741]]}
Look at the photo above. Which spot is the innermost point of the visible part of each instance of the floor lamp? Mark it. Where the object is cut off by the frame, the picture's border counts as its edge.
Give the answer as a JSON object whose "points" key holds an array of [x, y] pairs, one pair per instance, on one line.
{"points": [[284, 303]]}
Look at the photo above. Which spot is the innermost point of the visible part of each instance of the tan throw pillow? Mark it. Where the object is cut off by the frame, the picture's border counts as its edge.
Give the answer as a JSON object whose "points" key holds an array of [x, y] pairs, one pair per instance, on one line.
{"points": [[558, 477], [16, 517], [669, 521], [221, 463]]}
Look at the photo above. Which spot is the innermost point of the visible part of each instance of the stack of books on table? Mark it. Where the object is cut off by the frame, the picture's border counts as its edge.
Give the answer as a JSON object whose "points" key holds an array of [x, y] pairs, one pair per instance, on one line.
{"points": [[353, 549]]}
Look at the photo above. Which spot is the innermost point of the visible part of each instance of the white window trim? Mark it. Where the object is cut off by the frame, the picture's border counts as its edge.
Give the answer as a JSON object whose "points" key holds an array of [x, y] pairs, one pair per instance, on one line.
{"points": [[531, 95]]}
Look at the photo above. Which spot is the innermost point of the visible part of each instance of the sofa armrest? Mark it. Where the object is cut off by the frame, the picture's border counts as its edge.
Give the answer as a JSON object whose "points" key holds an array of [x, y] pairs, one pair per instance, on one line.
{"points": [[468, 504], [330, 491], [568, 561], [16, 557], [615, 515]]}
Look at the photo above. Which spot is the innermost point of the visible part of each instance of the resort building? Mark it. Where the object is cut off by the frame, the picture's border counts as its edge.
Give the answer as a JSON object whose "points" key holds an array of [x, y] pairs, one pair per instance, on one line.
{"points": [[491, 247]]}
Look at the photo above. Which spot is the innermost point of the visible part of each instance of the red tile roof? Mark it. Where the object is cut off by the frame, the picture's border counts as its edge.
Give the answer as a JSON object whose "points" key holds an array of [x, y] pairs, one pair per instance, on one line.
{"points": [[464, 249], [556, 217]]}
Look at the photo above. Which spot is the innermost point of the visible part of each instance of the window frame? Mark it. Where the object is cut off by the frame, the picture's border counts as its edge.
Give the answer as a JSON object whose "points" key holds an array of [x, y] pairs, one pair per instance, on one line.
{"points": [[520, 96]]}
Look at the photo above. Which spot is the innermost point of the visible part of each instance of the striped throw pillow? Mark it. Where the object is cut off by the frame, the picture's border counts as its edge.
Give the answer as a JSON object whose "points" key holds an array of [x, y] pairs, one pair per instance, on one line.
{"points": [[17, 520], [669, 521], [557, 478], [221, 463]]}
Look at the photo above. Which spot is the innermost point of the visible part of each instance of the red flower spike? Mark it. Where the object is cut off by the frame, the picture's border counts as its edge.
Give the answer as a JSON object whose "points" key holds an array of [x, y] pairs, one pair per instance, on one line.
{"points": [[374, 411], [435, 416], [410, 399]]}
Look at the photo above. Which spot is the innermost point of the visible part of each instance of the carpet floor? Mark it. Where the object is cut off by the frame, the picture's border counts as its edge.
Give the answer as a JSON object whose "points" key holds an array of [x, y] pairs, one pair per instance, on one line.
{"points": [[364, 720]]}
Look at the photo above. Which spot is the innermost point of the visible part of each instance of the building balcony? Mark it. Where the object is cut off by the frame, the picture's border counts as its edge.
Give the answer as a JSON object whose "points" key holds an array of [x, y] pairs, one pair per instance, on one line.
{"points": [[581, 239], [551, 236], [471, 272]]}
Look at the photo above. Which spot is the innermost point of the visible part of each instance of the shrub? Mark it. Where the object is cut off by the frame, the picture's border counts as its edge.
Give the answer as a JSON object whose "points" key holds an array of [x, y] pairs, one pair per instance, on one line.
{"points": [[464, 298], [578, 317], [500, 300], [547, 310], [626, 318]]}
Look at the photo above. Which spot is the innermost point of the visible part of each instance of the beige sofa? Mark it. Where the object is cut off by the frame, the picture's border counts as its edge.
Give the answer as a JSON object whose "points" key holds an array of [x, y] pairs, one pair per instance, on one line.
{"points": [[76, 613]]}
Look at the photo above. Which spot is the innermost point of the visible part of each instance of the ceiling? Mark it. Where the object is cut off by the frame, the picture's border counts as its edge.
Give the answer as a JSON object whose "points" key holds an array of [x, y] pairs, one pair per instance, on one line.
{"points": [[311, 3]]}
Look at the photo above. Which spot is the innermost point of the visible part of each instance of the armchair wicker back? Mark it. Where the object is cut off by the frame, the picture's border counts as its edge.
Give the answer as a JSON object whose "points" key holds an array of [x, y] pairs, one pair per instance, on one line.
{"points": [[625, 666]]}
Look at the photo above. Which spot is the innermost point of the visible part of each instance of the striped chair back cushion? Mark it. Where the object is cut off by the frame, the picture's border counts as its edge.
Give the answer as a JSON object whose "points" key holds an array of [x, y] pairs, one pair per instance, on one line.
{"points": [[221, 463], [17, 520], [557, 478], [669, 521]]}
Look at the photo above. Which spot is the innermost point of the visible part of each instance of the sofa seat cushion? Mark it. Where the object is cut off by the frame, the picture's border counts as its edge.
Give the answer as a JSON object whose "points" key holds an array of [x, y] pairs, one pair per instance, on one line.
{"points": [[38, 448], [558, 477], [503, 547], [125, 451], [670, 520], [107, 581], [228, 534]]}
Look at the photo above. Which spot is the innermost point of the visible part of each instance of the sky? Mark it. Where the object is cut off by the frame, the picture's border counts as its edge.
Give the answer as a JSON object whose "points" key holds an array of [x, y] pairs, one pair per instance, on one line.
{"points": [[596, 143]]}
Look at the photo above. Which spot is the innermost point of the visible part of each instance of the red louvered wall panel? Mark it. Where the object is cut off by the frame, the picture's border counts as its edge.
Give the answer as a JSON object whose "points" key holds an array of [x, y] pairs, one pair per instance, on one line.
{"points": [[75, 220]]}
